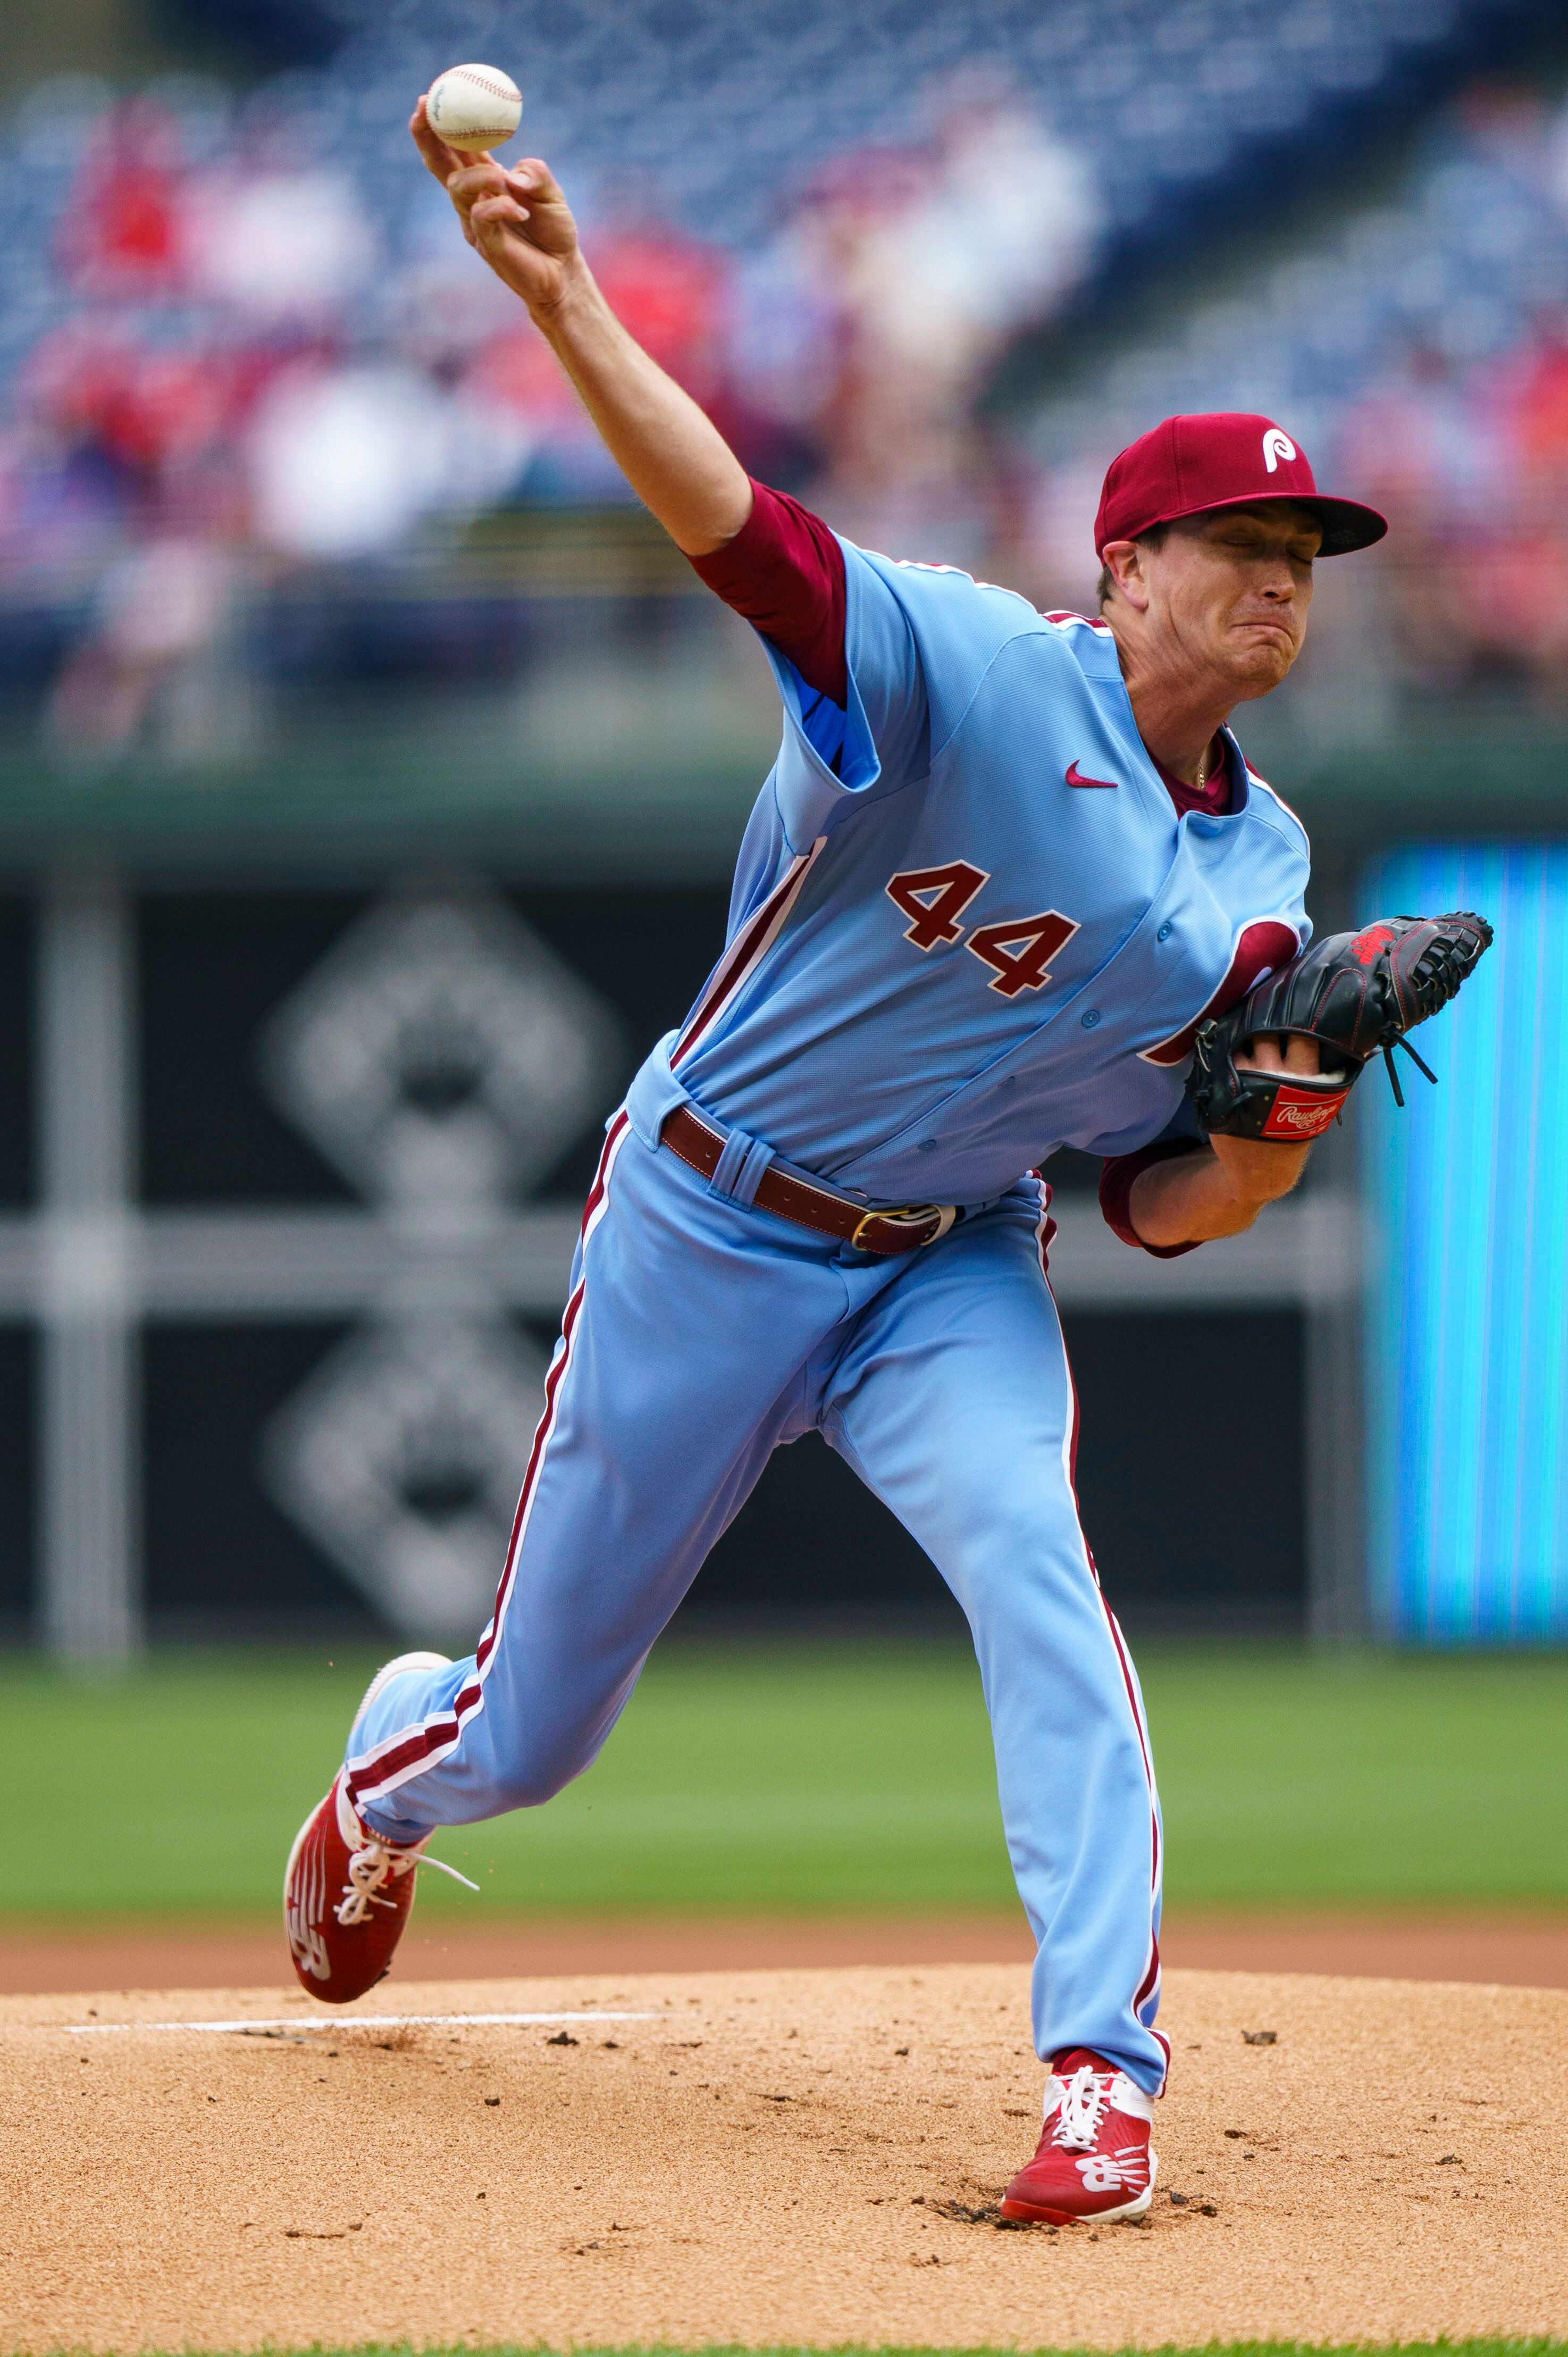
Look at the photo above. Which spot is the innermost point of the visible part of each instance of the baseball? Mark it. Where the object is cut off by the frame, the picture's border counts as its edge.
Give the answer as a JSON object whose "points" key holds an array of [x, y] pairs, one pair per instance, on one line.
{"points": [[474, 107]]}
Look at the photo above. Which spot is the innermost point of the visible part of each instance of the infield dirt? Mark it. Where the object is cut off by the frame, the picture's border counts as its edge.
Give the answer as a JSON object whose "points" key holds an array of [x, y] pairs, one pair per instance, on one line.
{"points": [[789, 2156]]}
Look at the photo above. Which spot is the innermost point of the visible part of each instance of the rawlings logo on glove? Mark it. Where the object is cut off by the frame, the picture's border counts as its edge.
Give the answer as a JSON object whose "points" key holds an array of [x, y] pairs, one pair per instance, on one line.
{"points": [[1299, 1116], [1354, 993]]}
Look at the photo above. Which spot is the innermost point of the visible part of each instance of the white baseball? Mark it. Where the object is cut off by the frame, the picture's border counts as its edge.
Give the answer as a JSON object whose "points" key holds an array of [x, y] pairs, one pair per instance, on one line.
{"points": [[474, 107]]}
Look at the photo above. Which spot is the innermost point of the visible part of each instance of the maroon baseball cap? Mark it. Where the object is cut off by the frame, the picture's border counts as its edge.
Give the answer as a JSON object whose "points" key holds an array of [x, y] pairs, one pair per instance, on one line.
{"points": [[1221, 458]]}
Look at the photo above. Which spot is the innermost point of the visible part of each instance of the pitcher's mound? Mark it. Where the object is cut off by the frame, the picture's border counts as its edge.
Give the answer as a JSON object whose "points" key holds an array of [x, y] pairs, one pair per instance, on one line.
{"points": [[782, 2157]]}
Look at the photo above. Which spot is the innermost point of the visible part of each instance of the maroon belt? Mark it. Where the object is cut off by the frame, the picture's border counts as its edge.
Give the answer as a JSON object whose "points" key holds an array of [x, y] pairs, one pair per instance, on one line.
{"points": [[904, 1228]]}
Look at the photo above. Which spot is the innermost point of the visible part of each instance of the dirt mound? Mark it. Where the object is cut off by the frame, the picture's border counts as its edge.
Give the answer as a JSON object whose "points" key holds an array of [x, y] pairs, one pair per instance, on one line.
{"points": [[805, 2157]]}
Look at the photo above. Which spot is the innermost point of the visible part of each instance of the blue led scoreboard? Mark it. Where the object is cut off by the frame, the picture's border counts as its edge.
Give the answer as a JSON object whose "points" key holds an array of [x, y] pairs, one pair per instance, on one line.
{"points": [[1466, 1201]]}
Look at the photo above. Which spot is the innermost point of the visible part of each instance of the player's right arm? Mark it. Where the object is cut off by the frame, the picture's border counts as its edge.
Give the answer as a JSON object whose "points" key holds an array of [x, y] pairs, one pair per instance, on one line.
{"points": [[674, 457], [762, 553]]}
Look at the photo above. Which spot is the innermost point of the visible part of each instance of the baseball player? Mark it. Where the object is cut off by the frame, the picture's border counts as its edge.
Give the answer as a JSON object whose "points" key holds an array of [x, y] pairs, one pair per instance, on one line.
{"points": [[1007, 868]]}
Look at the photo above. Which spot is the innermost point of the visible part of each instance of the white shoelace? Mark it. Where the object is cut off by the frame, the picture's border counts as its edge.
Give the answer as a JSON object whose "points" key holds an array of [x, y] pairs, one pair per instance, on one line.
{"points": [[380, 1862], [1082, 2107]]}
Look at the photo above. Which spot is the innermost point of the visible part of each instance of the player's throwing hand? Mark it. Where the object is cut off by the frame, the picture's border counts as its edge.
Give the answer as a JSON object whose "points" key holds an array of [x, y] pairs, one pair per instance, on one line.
{"points": [[670, 453], [518, 218]]}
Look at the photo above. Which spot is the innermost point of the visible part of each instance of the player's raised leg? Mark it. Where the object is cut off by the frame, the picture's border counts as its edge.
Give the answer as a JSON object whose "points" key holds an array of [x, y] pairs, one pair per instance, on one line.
{"points": [[954, 1401], [679, 1367]]}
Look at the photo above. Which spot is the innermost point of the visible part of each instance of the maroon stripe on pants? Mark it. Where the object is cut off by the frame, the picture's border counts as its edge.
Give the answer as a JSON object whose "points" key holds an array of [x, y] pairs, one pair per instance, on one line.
{"points": [[435, 1732]]}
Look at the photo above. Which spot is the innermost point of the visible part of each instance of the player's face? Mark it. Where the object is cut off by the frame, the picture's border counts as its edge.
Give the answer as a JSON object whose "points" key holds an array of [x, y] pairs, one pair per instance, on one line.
{"points": [[1235, 587]]}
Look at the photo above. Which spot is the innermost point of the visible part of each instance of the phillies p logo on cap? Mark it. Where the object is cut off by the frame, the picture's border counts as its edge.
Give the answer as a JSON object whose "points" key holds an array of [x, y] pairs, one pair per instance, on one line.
{"points": [[1221, 458]]}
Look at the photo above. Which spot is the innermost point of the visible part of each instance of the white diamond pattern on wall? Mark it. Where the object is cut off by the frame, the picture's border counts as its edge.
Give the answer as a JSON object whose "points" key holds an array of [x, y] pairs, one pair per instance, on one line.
{"points": [[441, 1051], [444, 1058], [401, 1456]]}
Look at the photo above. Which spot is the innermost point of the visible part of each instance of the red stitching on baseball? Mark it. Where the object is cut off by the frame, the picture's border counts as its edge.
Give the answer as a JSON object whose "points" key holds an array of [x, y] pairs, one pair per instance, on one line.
{"points": [[496, 88]]}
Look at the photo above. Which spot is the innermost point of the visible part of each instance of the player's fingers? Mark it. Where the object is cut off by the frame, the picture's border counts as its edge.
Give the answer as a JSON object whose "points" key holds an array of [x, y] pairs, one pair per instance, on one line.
{"points": [[498, 213], [438, 157], [531, 174], [473, 180], [1275, 1052], [475, 175]]}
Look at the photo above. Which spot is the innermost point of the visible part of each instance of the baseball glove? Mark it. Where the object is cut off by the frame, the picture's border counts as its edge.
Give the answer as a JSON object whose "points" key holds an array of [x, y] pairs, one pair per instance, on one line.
{"points": [[1353, 993]]}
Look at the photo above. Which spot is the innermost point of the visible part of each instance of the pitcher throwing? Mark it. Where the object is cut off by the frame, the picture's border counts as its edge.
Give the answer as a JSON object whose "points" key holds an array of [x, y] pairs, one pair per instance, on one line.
{"points": [[1008, 869]]}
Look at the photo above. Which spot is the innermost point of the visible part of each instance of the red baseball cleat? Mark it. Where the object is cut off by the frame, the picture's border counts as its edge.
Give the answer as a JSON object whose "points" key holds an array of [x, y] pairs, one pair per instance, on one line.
{"points": [[347, 1894], [1093, 2161]]}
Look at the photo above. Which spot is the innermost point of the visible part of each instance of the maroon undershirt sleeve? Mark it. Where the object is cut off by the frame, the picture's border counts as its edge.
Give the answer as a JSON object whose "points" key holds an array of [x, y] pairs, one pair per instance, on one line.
{"points": [[1117, 1173], [784, 573]]}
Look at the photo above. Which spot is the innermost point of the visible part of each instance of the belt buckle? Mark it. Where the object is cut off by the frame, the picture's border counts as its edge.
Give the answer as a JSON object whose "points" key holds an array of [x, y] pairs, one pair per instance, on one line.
{"points": [[944, 1216]]}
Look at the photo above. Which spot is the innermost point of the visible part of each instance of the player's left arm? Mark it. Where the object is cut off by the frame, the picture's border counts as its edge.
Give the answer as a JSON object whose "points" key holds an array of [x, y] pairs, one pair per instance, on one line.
{"points": [[1260, 1069], [1219, 1189]]}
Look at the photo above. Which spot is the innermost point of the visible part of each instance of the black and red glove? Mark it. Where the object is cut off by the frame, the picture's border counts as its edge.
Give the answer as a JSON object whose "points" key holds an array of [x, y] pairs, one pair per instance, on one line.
{"points": [[1354, 993]]}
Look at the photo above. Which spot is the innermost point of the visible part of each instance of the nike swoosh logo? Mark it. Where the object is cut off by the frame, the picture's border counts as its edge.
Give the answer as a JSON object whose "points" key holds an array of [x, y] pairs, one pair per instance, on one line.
{"points": [[1075, 777]]}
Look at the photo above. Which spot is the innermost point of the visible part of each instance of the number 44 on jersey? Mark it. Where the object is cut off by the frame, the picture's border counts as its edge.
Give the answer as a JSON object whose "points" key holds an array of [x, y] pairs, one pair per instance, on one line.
{"points": [[1018, 950]]}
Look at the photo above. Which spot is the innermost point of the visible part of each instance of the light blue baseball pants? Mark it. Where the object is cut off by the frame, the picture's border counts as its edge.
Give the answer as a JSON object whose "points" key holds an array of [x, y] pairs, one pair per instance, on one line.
{"points": [[700, 1334]]}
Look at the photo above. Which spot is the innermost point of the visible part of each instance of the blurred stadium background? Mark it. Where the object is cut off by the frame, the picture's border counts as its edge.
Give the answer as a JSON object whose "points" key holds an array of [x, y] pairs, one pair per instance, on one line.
{"points": [[370, 770]]}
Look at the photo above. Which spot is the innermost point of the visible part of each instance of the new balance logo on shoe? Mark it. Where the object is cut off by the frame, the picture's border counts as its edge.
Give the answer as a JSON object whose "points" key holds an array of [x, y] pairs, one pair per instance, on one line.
{"points": [[1105, 2172], [305, 1944], [1093, 2161]]}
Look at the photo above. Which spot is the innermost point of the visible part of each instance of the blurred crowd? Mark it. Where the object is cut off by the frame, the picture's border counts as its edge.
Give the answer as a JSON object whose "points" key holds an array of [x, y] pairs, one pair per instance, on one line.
{"points": [[1421, 352], [263, 369], [1471, 467], [257, 371]]}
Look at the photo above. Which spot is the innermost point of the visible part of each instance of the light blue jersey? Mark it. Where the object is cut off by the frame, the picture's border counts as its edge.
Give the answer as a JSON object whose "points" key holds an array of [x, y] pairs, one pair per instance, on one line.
{"points": [[967, 925]]}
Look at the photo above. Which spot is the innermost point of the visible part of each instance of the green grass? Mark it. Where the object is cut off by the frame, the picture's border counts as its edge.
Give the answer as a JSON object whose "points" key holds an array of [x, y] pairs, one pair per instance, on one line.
{"points": [[800, 1778]]}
